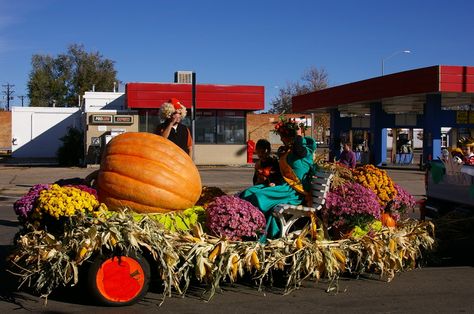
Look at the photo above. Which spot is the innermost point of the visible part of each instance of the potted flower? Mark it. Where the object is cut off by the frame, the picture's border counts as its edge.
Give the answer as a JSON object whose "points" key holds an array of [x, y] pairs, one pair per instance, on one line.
{"points": [[236, 219], [400, 204], [350, 205]]}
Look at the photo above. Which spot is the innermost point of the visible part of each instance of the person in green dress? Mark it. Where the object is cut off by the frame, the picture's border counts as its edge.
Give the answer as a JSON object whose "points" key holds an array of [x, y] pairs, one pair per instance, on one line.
{"points": [[296, 164]]}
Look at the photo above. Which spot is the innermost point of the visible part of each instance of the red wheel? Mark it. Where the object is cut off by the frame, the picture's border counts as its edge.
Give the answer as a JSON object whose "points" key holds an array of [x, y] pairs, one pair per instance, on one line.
{"points": [[120, 280]]}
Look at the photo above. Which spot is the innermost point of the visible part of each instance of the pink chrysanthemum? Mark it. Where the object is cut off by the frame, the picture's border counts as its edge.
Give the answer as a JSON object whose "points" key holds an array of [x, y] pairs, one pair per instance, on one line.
{"points": [[231, 217]]}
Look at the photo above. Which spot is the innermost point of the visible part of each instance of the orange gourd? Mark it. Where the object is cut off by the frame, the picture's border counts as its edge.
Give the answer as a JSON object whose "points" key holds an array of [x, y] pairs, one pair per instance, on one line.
{"points": [[148, 174], [387, 220]]}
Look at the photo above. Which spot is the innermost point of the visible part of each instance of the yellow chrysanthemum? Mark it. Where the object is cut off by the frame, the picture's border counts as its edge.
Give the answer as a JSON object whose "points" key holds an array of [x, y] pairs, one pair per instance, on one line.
{"points": [[65, 202], [377, 180]]}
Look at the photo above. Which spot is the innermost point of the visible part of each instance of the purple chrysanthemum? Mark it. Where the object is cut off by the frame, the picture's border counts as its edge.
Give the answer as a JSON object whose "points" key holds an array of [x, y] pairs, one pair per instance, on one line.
{"points": [[234, 218], [350, 201], [25, 205], [402, 202]]}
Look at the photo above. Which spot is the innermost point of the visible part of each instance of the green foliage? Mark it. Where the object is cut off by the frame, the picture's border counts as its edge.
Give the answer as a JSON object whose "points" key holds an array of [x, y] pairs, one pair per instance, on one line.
{"points": [[312, 79], [59, 80], [71, 152], [178, 221], [362, 229]]}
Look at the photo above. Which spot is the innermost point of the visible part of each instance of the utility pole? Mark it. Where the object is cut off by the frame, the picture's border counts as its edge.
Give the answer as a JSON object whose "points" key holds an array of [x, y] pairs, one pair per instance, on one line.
{"points": [[8, 94], [21, 97], [193, 110]]}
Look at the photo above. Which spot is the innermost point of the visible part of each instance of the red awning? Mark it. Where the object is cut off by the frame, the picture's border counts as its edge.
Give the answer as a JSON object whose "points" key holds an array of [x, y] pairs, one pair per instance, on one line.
{"points": [[208, 96]]}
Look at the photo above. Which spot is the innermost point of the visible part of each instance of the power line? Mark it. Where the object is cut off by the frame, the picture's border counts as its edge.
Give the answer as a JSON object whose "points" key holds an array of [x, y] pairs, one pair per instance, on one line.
{"points": [[8, 94]]}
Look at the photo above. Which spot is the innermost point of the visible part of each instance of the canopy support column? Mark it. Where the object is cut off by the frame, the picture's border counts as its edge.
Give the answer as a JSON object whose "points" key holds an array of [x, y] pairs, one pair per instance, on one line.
{"points": [[432, 127], [334, 140], [379, 134]]}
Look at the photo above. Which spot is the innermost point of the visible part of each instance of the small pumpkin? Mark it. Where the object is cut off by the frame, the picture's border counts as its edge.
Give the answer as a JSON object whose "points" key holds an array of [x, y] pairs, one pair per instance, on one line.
{"points": [[387, 220], [148, 174]]}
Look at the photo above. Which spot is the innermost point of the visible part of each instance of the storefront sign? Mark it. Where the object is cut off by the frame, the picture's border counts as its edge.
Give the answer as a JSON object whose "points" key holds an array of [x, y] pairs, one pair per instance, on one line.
{"points": [[123, 119], [101, 119], [111, 119]]}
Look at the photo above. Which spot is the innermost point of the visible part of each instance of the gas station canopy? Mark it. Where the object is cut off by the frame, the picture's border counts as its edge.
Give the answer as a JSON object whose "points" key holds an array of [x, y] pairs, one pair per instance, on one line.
{"points": [[403, 92]]}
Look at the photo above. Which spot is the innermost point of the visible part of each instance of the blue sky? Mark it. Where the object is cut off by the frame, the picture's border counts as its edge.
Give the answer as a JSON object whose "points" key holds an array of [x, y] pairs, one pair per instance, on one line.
{"points": [[243, 42]]}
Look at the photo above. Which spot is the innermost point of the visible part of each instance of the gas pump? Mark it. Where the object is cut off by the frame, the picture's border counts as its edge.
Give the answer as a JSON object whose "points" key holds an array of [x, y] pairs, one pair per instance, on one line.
{"points": [[94, 151], [108, 136]]}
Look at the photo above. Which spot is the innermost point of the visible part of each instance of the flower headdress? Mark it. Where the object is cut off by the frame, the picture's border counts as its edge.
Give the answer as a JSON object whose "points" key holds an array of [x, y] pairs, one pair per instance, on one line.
{"points": [[466, 141], [173, 105], [287, 127]]}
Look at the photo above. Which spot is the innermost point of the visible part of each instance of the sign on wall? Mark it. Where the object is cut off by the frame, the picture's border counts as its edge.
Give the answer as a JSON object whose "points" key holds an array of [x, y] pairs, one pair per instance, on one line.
{"points": [[111, 119], [123, 119], [101, 119]]}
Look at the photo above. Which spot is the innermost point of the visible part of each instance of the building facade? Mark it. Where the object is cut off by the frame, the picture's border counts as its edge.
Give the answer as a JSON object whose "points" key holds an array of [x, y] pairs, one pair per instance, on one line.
{"points": [[218, 121], [5, 132], [36, 131], [104, 116]]}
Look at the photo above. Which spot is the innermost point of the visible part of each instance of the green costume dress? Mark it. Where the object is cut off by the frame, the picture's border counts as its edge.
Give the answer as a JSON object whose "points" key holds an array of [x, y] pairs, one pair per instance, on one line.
{"points": [[295, 166]]}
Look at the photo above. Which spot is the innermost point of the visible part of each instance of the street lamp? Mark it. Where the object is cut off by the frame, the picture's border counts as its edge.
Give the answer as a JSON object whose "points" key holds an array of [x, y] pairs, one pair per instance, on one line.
{"points": [[391, 56]]}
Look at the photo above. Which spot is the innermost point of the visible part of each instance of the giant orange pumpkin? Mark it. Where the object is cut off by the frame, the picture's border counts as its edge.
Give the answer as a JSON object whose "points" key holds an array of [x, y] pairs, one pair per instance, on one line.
{"points": [[148, 174]]}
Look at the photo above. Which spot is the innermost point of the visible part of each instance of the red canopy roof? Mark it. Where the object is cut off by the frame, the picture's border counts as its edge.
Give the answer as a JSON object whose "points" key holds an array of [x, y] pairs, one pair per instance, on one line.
{"points": [[434, 79]]}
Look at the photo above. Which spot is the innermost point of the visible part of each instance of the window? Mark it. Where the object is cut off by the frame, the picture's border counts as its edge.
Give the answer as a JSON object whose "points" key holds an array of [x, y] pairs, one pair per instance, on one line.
{"points": [[205, 127], [230, 127], [211, 127], [220, 127], [149, 119]]}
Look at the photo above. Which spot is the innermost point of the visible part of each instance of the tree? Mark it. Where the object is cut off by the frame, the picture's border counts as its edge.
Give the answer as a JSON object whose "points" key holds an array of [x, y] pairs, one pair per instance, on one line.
{"points": [[71, 152], [312, 79], [60, 80]]}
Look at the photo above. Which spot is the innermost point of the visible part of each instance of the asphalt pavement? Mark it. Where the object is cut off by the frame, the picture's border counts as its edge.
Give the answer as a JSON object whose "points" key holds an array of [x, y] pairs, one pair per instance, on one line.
{"points": [[435, 289]]}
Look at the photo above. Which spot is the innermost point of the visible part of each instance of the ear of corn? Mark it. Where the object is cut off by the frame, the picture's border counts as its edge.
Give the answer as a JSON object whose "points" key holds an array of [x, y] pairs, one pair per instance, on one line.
{"points": [[255, 261], [314, 226], [234, 267], [218, 250], [299, 243], [392, 245], [340, 257], [215, 252]]}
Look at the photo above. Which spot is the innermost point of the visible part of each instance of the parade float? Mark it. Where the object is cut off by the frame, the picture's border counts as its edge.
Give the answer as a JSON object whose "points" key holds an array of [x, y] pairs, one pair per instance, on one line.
{"points": [[147, 219]]}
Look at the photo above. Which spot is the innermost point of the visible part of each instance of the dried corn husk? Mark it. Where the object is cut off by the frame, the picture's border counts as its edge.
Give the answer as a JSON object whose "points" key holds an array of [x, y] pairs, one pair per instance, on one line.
{"points": [[47, 261]]}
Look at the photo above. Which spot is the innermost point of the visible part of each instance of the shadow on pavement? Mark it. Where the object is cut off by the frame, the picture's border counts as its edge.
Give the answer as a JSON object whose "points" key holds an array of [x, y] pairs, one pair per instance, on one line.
{"points": [[453, 253], [8, 223], [454, 233], [8, 288]]}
